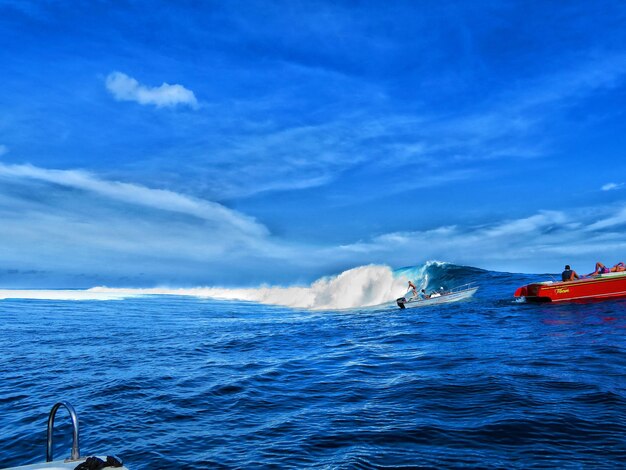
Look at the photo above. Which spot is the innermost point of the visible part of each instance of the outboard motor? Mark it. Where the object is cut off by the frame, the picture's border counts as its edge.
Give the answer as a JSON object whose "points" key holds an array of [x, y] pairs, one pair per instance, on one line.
{"points": [[401, 302]]}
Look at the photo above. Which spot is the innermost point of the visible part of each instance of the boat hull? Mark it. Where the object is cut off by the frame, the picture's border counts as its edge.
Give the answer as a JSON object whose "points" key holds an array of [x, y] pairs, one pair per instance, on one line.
{"points": [[403, 302], [601, 287]]}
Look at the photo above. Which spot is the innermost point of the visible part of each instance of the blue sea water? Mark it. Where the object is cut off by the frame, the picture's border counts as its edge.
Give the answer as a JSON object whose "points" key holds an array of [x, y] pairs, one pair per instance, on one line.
{"points": [[191, 383]]}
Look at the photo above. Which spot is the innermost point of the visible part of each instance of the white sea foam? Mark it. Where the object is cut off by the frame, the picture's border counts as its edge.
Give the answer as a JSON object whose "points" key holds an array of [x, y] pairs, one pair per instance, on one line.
{"points": [[357, 287], [66, 294]]}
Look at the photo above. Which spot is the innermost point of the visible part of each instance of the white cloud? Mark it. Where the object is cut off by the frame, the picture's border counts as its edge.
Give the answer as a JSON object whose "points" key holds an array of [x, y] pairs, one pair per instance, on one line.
{"points": [[139, 195], [616, 219], [125, 88], [612, 186], [450, 147], [75, 226], [541, 242]]}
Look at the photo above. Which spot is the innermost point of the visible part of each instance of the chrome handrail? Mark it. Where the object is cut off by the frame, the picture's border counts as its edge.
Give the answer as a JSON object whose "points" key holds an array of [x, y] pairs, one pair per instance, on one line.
{"points": [[462, 287], [75, 446]]}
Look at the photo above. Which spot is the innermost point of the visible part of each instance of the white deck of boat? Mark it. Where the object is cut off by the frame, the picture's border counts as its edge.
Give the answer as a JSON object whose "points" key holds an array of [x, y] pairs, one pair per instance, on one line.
{"points": [[58, 465]]}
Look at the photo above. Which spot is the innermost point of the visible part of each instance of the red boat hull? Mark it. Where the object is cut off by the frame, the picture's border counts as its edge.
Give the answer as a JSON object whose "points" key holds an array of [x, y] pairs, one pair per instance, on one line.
{"points": [[605, 286]]}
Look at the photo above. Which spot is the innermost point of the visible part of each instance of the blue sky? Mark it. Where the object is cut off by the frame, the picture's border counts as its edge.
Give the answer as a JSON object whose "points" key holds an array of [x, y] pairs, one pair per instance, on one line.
{"points": [[239, 143]]}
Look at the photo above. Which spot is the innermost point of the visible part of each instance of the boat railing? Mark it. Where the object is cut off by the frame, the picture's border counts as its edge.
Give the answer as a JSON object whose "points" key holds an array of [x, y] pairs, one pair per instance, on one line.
{"points": [[75, 455], [462, 287]]}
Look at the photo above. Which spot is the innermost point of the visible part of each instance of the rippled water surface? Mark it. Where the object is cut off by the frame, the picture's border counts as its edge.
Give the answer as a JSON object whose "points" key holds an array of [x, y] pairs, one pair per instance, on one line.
{"points": [[173, 382]]}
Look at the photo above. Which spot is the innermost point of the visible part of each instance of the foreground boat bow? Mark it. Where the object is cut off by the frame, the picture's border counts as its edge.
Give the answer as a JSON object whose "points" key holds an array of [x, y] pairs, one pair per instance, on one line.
{"points": [[74, 462]]}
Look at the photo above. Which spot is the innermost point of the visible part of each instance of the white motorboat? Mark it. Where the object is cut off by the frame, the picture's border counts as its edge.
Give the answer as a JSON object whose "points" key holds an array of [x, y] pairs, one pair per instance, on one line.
{"points": [[412, 299], [75, 461]]}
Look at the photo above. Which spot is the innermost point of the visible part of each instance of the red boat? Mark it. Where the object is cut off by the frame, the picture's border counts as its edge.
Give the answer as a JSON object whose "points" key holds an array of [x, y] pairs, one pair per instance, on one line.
{"points": [[600, 287]]}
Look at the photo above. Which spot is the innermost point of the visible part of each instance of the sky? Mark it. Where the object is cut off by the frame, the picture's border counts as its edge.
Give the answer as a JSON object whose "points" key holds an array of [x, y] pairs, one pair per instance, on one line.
{"points": [[196, 143]]}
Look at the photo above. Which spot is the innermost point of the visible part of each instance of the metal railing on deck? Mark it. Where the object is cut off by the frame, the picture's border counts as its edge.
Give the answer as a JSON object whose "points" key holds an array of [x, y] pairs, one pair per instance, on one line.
{"points": [[75, 455]]}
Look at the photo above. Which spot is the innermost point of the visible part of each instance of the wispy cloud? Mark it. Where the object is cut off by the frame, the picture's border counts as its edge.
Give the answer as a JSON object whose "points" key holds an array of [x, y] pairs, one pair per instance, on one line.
{"points": [[612, 186], [448, 146], [613, 220], [541, 242], [125, 88], [139, 195], [74, 225]]}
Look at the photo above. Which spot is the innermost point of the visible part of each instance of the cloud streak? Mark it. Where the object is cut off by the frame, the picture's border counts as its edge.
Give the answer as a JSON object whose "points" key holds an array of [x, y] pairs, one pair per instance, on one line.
{"points": [[449, 146], [541, 242], [76, 227], [139, 195], [612, 186], [125, 88]]}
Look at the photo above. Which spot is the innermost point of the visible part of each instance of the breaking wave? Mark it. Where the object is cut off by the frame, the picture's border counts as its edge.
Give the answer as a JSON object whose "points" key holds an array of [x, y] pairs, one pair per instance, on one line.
{"points": [[363, 286]]}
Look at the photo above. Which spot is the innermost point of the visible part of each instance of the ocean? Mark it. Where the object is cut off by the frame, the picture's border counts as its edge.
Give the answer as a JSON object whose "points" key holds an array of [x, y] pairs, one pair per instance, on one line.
{"points": [[331, 375]]}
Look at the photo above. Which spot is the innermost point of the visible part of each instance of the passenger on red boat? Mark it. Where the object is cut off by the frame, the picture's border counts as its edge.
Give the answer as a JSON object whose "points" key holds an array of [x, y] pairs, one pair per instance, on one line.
{"points": [[602, 269], [569, 274]]}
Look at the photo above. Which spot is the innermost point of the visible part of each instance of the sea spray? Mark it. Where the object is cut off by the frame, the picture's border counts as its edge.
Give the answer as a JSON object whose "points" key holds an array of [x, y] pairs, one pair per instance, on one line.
{"points": [[357, 287]]}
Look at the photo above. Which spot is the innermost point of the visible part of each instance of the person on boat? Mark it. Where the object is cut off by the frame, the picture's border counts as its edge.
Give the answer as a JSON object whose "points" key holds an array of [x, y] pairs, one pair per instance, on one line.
{"points": [[602, 269], [424, 295], [436, 293], [569, 274], [413, 288]]}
